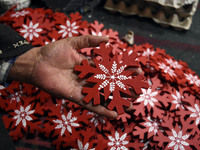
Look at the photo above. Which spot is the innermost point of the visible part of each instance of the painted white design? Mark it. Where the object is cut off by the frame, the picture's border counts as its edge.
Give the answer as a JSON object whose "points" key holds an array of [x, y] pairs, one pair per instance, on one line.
{"points": [[153, 126], [148, 97], [96, 119], [53, 40], [81, 147], [69, 29], [148, 52], [178, 140], [66, 123], [112, 77], [192, 79], [166, 69], [118, 143], [177, 100], [20, 13], [195, 113], [23, 115], [173, 64], [15, 96], [31, 30]]}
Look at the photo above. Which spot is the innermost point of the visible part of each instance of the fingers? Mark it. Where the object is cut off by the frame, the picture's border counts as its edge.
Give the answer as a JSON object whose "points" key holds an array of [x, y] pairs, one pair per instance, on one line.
{"points": [[86, 41], [101, 110]]}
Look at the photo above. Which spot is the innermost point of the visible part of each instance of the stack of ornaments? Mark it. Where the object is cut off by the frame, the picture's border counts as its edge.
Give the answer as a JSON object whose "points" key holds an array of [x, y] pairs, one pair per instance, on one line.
{"points": [[175, 13], [166, 115]]}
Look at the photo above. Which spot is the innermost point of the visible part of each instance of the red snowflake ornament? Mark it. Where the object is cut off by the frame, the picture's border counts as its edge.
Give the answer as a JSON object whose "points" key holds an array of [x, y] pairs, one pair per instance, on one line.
{"points": [[21, 117], [111, 77]]}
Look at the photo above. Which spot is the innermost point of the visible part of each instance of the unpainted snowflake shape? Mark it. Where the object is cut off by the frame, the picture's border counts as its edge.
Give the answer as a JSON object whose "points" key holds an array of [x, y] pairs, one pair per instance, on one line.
{"points": [[97, 29], [112, 77]]}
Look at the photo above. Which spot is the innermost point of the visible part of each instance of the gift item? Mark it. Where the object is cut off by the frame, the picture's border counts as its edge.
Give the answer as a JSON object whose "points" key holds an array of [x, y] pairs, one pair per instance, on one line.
{"points": [[165, 115], [176, 13]]}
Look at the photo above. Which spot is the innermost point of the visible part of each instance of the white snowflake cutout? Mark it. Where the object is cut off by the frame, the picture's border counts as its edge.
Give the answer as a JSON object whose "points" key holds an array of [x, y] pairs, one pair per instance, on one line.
{"points": [[81, 147], [166, 69], [195, 113]]}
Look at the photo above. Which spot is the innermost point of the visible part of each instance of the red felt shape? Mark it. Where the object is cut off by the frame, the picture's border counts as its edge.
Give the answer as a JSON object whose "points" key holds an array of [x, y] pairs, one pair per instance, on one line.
{"points": [[112, 77]]}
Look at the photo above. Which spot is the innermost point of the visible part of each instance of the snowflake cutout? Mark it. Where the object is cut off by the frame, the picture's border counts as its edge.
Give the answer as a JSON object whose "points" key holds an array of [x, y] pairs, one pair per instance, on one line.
{"points": [[68, 29], [23, 115], [66, 123], [18, 13], [31, 30], [178, 140], [148, 97], [118, 142], [195, 113], [81, 147], [111, 77]]}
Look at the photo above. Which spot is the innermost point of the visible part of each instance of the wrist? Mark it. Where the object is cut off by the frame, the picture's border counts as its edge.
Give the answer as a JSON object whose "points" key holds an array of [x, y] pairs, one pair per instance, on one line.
{"points": [[23, 66]]}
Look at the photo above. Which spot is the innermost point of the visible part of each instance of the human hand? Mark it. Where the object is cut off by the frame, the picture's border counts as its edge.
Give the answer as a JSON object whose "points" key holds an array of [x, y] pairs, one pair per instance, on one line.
{"points": [[50, 68]]}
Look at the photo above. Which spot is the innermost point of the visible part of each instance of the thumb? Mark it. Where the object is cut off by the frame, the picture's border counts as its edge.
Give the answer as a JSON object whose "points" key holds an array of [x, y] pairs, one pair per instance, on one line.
{"points": [[86, 41]]}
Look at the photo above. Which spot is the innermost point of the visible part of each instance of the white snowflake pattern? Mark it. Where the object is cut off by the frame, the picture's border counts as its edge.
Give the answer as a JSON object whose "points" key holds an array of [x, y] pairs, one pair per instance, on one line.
{"points": [[177, 100], [166, 69], [113, 78], [195, 113], [192, 79], [81, 147], [15, 96], [152, 124], [148, 97], [96, 119], [69, 29], [23, 115], [178, 140], [148, 52], [97, 34], [118, 143], [18, 13], [31, 30], [173, 64], [66, 123]]}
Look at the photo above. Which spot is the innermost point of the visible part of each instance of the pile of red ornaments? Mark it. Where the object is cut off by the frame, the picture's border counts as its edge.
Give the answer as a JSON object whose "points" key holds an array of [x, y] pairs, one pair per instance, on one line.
{"points": [[166, 115]]}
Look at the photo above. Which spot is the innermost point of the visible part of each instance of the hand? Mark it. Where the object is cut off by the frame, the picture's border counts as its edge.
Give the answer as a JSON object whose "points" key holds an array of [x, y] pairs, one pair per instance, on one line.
{"points": [[50, 68]]}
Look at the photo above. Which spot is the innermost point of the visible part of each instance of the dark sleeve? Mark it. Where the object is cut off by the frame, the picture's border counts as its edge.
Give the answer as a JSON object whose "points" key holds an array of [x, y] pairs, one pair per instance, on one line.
{"points": [[11, 43]]}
